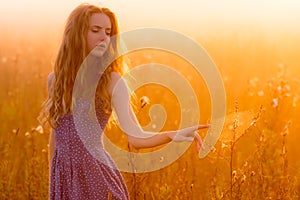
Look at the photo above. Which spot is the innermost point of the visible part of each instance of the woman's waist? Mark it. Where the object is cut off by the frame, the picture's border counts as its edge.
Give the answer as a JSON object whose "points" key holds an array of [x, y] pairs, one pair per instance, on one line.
{"points": [[78, 148]]}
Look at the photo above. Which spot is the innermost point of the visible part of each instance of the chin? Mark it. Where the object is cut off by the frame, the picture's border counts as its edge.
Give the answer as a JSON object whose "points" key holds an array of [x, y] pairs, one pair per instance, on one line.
{"points": [[97, 53]]}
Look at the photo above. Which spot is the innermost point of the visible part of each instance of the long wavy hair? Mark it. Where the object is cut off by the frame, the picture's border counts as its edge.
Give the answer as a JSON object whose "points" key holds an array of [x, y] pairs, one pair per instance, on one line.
{"points": [[71, 54]]}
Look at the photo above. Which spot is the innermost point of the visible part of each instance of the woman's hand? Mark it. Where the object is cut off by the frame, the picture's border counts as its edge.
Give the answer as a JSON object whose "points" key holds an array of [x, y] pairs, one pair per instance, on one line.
{"points": [[188, 135]]}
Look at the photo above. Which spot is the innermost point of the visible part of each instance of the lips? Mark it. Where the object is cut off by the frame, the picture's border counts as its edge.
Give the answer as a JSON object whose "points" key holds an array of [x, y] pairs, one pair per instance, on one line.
{"points": [[102, 44], [100, 48]]}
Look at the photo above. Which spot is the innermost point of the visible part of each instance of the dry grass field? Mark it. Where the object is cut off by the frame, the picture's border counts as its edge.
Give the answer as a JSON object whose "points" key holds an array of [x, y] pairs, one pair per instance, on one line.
{"points": [[256, 157]]}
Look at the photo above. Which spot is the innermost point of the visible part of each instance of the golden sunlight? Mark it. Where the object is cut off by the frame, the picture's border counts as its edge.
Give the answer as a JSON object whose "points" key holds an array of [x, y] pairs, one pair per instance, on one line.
{"points": [[255, 45], [190, 14]]}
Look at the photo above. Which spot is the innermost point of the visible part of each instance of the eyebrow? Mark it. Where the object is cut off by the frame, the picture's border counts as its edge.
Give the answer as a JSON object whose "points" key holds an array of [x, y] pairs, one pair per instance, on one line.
{"points": [[96, 26]]}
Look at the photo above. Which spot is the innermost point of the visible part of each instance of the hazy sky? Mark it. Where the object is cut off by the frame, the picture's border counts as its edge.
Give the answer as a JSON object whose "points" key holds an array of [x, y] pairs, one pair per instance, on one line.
{"points": [[181, 15]]}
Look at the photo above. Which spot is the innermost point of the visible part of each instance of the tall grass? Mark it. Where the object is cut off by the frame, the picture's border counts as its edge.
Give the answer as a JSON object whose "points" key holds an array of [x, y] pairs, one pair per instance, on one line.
{"points": [[256, 157]]}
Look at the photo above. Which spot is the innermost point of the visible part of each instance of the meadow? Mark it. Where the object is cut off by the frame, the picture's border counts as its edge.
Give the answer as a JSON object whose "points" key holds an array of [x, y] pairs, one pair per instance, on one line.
{"points": [[256, 157]]}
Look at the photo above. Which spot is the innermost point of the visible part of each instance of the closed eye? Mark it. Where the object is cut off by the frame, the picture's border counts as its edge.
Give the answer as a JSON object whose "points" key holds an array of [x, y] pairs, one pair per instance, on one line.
{"points": [[96, 29]]}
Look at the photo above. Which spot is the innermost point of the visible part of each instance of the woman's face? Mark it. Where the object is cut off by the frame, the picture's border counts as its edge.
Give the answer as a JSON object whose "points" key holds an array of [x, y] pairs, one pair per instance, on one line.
{"points": [[98, 35]]}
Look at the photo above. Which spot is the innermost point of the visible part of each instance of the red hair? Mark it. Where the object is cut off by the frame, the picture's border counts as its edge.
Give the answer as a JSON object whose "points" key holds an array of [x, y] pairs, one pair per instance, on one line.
{"points": [[71, 54]]}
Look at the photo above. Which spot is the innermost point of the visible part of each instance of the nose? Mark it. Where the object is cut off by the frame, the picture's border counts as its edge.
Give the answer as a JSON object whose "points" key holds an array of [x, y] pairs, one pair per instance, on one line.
{"points": [[103, 36]]}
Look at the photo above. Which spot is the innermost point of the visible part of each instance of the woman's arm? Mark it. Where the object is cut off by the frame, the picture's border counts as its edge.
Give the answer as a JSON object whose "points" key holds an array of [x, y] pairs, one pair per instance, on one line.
{"points": [[51, 136], [130, 125], [51, 149]]}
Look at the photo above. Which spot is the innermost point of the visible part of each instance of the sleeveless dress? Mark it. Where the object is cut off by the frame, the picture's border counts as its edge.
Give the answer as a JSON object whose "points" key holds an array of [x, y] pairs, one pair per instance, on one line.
{"points": [[75, 173]]}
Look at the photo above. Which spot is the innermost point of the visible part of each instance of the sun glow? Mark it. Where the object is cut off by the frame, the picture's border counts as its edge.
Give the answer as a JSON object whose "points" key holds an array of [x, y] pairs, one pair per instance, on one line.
{"points": [[192, 14]]}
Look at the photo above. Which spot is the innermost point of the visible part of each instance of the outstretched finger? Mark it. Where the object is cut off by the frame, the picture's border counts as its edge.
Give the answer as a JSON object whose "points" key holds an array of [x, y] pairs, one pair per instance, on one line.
{"points": [[203, 126], [198, 140]]}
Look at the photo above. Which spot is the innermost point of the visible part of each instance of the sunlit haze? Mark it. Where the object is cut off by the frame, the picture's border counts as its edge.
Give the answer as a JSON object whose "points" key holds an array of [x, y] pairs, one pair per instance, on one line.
{"points": [[247, 51], [189, 15]]}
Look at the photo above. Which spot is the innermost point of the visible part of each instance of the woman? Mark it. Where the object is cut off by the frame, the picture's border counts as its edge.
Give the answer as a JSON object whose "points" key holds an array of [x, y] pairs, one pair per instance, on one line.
{"points": [[74, 172]]}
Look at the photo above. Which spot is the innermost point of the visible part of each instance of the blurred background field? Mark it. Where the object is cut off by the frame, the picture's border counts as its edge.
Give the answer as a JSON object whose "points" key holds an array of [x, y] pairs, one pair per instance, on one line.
{"points": [[257, 156]]}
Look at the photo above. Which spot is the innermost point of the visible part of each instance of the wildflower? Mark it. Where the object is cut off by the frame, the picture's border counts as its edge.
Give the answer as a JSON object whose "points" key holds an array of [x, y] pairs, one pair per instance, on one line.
{"points": [[270, 84], [253, 123], [154, 126], [295, 99], [144, 101], [286, 129], [176, 122], [234, 173], [39, 129], [260, 93], [287, 87], [230, 127], [243, 178], [283, 151], [223, 145], [161, 159], [213, 149], [221, 195], [279, 88], [253, 82], [261, 138], [275, 102], [15, 131], [236, 123], [27, 134], [234, 178]]}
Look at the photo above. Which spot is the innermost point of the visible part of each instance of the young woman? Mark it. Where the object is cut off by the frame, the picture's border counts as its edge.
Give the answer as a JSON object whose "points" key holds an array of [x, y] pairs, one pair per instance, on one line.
{"points": [[74, 172]]}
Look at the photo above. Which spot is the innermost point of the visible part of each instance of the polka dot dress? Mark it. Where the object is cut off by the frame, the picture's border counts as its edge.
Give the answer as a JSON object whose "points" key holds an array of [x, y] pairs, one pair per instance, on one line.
{"points": [[76, 174]]}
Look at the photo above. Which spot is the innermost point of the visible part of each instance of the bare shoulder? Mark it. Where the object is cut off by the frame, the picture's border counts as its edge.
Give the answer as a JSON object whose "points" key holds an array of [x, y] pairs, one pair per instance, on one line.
{"points": [[50, 77], [116, 78]]}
